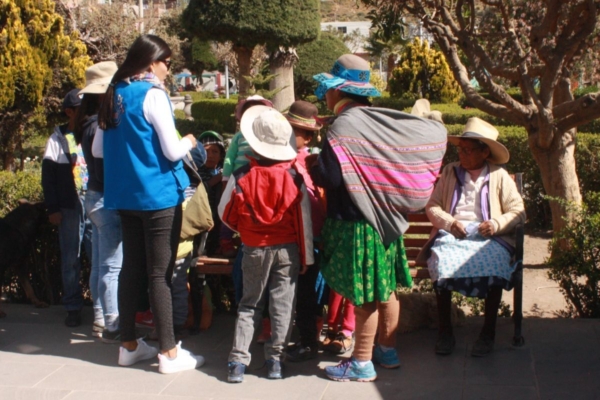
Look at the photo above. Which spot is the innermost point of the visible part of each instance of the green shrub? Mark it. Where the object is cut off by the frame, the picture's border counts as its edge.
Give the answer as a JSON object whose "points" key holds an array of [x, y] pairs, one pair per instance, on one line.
{"points": [[19, 185], [197, 96], [215, 115], [423, 72], [393, 103], [576, 266]]}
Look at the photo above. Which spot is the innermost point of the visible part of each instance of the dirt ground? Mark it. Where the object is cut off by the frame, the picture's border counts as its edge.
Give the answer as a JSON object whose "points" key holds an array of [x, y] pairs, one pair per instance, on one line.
{"points": [[541, 296]]}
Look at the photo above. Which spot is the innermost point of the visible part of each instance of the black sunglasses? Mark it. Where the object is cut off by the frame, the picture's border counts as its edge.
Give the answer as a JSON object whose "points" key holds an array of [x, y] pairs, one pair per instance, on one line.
{"points": [[167, 63]]}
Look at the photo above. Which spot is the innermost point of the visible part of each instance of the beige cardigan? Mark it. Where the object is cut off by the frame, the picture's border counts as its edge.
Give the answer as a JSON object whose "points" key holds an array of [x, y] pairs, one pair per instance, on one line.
{"points": [[506, 205]]}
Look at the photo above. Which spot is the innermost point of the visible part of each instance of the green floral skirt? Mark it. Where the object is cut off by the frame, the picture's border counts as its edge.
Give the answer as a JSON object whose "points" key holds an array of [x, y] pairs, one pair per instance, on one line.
{"points": [[356, 264]]}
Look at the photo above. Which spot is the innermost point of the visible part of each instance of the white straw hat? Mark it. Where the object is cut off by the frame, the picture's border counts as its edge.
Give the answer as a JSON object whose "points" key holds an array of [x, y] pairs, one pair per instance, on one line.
{"points": [[268, 132], [422, 109], [484, 131], [98, 77]]}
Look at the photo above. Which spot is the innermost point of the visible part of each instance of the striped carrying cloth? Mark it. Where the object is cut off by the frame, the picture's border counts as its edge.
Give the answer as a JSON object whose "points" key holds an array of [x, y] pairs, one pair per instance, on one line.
{"points": [[390, 161]]}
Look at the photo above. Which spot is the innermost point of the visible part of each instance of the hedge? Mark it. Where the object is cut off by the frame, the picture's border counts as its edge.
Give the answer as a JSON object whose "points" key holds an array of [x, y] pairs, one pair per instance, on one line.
{"points": [[215, 115]]}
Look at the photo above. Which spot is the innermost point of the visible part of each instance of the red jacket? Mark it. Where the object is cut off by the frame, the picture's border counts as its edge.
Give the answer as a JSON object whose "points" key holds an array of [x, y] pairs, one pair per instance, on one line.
{"points": [[268, 205]]}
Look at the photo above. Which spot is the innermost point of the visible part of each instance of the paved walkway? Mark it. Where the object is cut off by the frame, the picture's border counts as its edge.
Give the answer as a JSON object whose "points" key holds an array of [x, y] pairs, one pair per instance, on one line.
{"points": [[40, 358]]}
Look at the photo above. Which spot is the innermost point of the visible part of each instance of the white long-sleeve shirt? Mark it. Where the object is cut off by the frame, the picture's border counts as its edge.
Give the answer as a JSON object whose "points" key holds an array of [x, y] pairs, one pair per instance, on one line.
{"points": [[155, 105]]}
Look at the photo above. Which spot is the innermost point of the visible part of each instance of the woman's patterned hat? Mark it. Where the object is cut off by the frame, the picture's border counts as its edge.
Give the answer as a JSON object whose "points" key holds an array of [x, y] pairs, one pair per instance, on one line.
{"points": [[349, 74]]}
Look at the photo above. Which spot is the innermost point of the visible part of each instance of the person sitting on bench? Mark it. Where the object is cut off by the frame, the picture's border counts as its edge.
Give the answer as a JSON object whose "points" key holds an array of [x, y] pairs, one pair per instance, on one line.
{"points": [[474, 210]]}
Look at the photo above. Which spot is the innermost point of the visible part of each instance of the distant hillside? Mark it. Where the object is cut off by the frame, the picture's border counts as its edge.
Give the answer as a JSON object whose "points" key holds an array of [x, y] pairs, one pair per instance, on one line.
{"points": [[343, 10]]}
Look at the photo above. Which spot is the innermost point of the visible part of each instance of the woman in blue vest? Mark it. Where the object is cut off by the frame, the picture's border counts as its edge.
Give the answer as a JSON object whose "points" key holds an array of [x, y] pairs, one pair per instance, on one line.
{"points": [[144, 179]]}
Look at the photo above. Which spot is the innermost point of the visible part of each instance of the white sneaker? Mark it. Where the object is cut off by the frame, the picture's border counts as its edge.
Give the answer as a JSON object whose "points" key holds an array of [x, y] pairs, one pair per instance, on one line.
{"points": [[143, 352], [183, 362]]}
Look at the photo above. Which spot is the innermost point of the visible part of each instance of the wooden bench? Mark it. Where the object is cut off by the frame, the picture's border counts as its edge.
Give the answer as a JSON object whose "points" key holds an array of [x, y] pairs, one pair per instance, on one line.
{"points": [[414, 239]]}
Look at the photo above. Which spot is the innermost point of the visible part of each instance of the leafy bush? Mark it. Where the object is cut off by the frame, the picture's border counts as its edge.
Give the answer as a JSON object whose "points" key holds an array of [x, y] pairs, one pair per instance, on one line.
{"points": [[423, 72], [215, 115], [393, 103], [576, 266], [19, 185]]}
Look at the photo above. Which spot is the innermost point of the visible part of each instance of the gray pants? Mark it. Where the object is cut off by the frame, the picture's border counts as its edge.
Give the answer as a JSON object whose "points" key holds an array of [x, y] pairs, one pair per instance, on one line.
{"points": [[272, 271]]}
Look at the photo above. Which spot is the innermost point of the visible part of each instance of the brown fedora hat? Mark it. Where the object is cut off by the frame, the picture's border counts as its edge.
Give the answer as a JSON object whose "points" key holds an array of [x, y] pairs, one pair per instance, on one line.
{"points": [[302, 115]]}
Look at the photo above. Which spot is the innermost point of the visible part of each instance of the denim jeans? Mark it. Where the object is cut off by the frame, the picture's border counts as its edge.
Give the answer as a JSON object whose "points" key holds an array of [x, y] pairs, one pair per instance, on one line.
{"points": [[74, 229], [107, 257], [270, 271]]}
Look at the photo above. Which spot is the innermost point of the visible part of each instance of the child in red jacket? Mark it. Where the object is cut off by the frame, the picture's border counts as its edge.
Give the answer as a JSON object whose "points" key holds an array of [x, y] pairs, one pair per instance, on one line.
{"points": [[266, 202]]}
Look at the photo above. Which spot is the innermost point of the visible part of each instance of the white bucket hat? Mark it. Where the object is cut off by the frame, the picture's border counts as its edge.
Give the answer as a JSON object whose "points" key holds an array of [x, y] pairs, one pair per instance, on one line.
{"points": [[98, 77], [484, 131], [422, 109], [268, 132]]}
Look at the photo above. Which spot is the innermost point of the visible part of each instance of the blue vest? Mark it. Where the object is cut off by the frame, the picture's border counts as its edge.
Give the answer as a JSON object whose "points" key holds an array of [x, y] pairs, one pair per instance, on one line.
{"points": [[137, 175]]}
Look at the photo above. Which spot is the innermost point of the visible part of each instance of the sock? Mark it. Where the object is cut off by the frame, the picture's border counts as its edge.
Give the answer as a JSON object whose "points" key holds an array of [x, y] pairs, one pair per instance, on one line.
{"points": [[385, 348], [362, 363]]}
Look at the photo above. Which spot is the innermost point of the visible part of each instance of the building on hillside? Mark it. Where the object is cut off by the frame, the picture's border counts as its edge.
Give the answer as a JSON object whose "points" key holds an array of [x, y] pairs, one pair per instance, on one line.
{"points": [[355, 34]]}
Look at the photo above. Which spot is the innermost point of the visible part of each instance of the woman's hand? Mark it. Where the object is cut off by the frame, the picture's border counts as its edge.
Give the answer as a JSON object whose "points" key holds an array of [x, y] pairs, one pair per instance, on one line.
{"points": [[192, 139], [458, 230], [487, 229]]}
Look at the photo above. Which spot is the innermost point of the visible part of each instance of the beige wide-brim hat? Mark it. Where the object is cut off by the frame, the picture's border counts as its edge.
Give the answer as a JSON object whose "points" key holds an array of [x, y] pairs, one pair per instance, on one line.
{"points": [[479, 129], [98, 77], [422, 109], [268, 133]]}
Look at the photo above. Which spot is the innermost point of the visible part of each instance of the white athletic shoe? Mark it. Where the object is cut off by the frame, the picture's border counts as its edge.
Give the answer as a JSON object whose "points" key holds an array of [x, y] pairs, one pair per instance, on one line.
{"points": [[143, 352], [183, 362]]}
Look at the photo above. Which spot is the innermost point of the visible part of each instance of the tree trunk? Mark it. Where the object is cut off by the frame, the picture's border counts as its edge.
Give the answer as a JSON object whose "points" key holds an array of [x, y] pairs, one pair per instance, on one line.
{"points": [[282, 66], [391, 64], [559, 176], [244, 56]]}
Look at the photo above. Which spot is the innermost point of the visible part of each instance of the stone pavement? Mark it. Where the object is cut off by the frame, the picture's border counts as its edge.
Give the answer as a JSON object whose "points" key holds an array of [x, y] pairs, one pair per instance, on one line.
{"points": [[40, 358]]}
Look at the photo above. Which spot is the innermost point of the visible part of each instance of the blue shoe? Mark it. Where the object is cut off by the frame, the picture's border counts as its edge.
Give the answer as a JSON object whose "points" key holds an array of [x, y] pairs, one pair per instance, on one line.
{"points": [[387, 359], [274, 369], [235, 372], [350, 370]]}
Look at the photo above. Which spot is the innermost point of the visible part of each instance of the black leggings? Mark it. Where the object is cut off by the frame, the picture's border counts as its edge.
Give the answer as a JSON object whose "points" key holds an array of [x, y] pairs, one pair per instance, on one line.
{"points": [[150, 240]]}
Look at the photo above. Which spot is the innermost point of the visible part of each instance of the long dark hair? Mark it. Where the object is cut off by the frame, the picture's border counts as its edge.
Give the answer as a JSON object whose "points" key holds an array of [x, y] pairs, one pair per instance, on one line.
{"points": [[144, 51], [90, 104]]}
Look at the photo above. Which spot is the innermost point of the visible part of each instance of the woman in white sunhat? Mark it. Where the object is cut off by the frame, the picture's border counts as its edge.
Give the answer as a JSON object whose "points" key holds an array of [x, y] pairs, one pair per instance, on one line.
{"points": [[474, 209]]}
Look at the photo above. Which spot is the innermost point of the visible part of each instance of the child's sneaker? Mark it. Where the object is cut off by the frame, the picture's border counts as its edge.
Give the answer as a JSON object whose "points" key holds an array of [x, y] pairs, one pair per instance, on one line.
{"points": [[273, 369], [351, 370], [145, 318], [111, 337], [341, 344], [142, 352], [329, 338], [183, 362], [97, 329], [387, 359], [235, 372], [298, 352]]}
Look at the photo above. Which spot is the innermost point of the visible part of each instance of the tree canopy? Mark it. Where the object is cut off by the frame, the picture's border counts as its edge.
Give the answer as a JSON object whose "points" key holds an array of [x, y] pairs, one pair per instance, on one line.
{"points": [[250, 22], [280, 25], [313, 58], [539, 46], [36, 57]]}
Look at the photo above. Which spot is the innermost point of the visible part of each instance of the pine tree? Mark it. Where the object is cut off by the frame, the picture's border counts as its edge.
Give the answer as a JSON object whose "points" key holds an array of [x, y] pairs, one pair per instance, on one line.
{"points": [[35, 56]]}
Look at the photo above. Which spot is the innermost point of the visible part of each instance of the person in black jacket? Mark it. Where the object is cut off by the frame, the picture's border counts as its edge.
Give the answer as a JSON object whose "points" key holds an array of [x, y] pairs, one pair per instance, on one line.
{"points": [[64, 182]]}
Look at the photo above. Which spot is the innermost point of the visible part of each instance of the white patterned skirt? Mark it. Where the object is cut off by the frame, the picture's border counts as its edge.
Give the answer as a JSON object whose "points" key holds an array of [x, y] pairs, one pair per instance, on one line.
{"points": [[469, 266]]}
